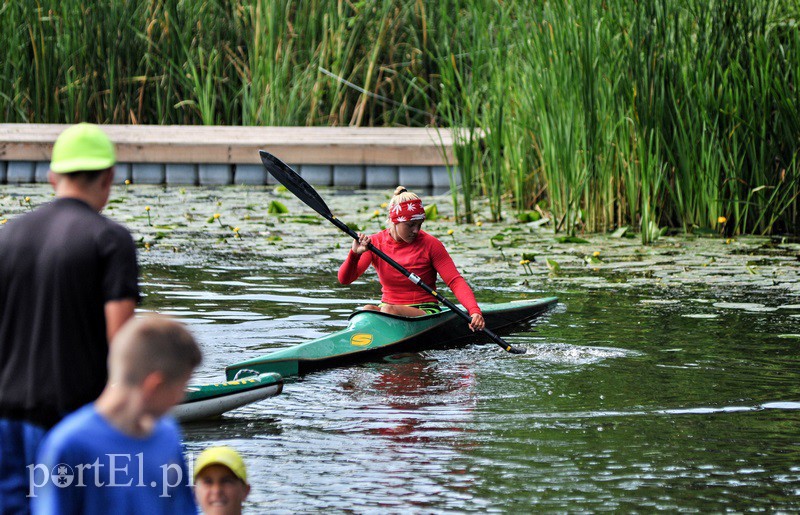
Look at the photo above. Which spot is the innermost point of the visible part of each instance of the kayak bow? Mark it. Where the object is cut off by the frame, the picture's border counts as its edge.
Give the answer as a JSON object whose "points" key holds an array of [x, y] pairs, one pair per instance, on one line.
{"points": [[372, 334], [212, 400]]}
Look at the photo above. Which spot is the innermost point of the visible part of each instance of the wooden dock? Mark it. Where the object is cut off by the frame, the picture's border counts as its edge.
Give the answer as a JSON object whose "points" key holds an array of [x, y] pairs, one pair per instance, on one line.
{"points": [[240, 145], [337, 156]]}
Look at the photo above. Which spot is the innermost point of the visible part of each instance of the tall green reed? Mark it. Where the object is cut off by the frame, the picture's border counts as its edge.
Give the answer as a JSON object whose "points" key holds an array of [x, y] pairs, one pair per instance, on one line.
{"points": [[601, 114]]}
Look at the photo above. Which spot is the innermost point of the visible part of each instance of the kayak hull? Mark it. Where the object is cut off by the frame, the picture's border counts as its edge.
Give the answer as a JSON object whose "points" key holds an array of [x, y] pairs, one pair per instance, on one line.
{"points": [[212, 400], [371, 335]]}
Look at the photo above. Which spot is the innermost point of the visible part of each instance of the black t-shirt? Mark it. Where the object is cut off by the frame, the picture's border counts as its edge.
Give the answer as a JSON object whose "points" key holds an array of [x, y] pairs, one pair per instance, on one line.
{"points": [[59, 265]]}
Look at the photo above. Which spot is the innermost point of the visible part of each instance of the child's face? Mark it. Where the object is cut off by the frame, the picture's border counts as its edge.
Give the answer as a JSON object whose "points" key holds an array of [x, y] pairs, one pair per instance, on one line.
{"points": [[219, 491], [408, 231], [167, 394]]}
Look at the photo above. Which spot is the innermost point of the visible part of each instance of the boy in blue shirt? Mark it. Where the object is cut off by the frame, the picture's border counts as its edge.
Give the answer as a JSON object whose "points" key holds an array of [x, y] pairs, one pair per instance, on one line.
{"points": [[120, 454]]}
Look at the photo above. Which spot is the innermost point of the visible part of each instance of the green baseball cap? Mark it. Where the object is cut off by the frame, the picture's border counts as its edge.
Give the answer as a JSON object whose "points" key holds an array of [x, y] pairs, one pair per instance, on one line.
{"points": [[82, 148]]}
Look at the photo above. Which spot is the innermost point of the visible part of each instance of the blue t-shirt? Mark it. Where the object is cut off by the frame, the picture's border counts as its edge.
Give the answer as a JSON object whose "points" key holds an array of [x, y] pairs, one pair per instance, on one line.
{"points": [[86, 465]]}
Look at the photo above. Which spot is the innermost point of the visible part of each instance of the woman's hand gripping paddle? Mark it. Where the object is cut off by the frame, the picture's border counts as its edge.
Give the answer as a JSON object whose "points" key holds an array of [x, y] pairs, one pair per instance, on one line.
{"points": [[302, 190]]}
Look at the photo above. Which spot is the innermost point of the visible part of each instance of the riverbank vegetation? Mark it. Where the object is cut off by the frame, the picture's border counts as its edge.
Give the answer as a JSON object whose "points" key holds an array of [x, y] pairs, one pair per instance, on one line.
{"points": [[599, 115]]}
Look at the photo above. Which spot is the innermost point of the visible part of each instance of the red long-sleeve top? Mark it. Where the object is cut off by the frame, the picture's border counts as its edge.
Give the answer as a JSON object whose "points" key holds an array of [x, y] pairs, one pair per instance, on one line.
{"points": [[425, 256]]}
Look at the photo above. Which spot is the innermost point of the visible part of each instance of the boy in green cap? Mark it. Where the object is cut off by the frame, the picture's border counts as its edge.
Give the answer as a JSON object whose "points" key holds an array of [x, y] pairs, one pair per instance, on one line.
{"points": [[220, 481], [68, 282]]}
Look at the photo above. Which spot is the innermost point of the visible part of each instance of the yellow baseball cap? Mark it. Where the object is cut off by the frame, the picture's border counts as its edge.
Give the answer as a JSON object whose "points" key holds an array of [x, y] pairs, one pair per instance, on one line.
{"points": [[222, 455], [82, 147]]}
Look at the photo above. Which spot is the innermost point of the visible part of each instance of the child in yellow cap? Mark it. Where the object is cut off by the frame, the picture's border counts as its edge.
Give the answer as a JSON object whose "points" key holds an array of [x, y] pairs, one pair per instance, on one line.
{"points": [[220, 481]]}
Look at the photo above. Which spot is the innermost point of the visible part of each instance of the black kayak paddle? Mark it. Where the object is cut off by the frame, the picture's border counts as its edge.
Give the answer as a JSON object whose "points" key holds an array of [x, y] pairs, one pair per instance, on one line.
{"points": [[302, 190]]}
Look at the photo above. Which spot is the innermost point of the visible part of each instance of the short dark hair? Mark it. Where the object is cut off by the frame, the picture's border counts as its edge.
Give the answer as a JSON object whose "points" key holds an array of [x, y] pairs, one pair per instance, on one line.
{"points": [[85, 176], [153, 344]]}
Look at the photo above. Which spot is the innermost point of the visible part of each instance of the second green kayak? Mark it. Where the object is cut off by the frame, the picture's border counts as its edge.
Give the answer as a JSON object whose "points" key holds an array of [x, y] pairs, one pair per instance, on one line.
{"points": [[206, 401], [370, 334]]}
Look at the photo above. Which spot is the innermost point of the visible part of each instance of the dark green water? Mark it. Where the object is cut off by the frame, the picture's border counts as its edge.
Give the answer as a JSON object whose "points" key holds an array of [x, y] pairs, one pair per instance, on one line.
{"points": [[625, 402]]}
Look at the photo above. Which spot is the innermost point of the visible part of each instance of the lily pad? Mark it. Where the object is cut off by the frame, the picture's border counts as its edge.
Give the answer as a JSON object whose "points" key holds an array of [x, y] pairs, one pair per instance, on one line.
{"points": [[498, 238], [431, 213], [553, 265], [277, 208], [619, 233], [303, 219], [571, 239], [592, 260], [529, 216]]}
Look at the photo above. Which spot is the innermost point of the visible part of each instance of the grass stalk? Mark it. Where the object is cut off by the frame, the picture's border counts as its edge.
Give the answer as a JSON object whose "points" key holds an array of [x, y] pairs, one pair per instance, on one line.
{"points": [[601, 114]]}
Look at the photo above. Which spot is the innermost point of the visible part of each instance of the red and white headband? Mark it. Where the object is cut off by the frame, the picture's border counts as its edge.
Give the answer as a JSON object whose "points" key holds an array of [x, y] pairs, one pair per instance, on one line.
{"points": [[407, 211]]}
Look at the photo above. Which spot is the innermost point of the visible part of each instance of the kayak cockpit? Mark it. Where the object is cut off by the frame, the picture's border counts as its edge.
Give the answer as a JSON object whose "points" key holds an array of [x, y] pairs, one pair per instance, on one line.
{"points": [[399, 317]]}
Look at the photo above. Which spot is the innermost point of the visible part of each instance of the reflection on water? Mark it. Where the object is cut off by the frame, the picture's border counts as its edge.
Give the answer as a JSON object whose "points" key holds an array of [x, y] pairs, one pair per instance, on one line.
{"points": [[624, 402]]}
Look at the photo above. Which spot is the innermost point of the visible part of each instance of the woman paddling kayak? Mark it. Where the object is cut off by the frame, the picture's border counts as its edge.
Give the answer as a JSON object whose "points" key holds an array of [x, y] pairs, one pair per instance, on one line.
{"points": [[417, 251]]}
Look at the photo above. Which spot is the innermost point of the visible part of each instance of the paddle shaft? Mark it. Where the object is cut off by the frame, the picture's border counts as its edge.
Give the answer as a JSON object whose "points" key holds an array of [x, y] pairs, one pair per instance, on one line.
{"points": [[416, 280]]}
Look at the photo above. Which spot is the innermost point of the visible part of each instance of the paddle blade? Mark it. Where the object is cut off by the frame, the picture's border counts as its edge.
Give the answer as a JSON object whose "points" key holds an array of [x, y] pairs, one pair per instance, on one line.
{"points": [[294, 183]]}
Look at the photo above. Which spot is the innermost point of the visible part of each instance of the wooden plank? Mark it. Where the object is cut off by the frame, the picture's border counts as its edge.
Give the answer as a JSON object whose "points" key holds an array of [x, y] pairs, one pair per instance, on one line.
{"points": [[240, 145]]}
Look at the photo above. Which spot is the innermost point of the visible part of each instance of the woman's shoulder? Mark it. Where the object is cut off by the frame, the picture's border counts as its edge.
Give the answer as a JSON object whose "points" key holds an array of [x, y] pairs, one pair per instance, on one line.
{"points": [[428, 238], [380, 236], [430, 243]]}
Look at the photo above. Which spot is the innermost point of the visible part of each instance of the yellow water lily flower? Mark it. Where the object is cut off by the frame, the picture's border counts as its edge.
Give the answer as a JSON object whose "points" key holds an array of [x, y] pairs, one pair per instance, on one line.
{"points": [[721, 220]]}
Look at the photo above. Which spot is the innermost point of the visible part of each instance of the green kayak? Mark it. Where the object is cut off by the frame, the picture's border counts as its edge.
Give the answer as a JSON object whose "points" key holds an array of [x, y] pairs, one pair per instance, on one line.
{"points": [[371, 334], [212, 400]]}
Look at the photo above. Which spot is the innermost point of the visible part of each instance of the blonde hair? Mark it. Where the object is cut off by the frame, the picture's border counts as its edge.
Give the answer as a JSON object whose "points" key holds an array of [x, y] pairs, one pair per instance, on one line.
{"points": [[401, 194]]}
